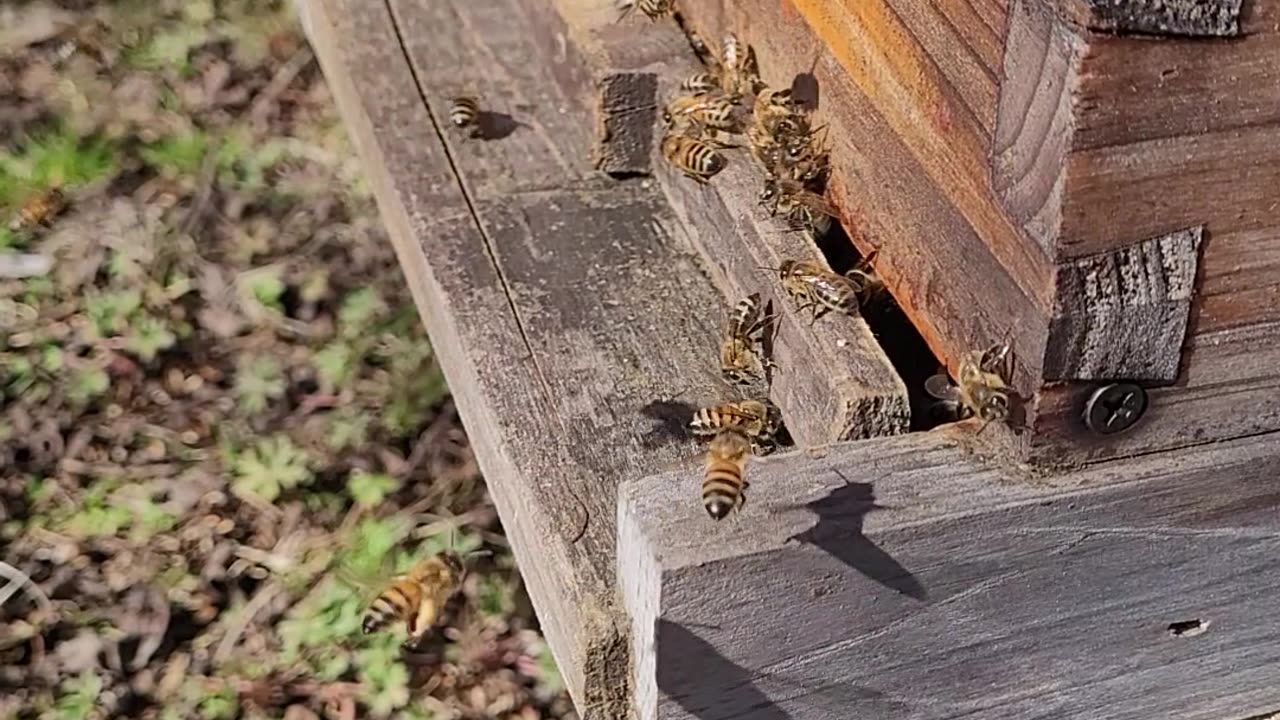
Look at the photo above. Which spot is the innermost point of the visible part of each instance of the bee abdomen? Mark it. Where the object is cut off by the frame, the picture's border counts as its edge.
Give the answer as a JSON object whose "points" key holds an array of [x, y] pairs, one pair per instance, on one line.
{"points": [[391, 605], [699, 83], [722, 488], [464, 111]]}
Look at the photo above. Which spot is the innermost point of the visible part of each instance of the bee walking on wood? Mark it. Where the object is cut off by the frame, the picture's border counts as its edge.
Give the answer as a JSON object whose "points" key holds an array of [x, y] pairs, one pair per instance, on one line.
{"points": [[40, 210], [464, 113], [706, 115], [758, 420], [818, 289], [652, 9], [738, 73], [694, 158], [982, 387], [723, 485], [418, 596], [738, 349], [803, 208], [703, 83]]}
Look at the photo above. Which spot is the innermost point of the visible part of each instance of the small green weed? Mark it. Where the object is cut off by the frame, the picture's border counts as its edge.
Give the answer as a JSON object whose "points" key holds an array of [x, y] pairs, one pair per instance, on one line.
{"points": [[259, 380], [272, 465], [370, 489], [384, 680], [80, 696], [177, 155]]}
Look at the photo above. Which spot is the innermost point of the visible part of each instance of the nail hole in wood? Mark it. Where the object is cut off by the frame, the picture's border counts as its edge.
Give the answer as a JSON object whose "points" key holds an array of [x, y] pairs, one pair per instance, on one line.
{"points": [[1188, 628]]}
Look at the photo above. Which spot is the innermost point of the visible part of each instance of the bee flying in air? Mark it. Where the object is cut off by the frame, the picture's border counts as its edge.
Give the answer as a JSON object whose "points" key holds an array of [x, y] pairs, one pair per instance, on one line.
{"points": [[652, 9], [981, 386], [817, 289], [723, 485], [40, 210], [464, 113], [737, 350], [418, 596], [803, 208], [758, 420], [692, 157]]}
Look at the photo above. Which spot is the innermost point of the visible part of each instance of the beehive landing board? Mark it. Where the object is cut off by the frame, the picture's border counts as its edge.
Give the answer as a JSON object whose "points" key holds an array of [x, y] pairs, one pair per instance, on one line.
{"points": [[927, 101], [904, 579], [569, 313]]}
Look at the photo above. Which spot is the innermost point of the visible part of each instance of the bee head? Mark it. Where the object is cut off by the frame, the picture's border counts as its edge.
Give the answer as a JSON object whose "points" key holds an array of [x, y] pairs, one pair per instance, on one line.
{"points": [[786, 268], [996, 407], [453, 561], [719, 508], [769, 192], [666, 115]]}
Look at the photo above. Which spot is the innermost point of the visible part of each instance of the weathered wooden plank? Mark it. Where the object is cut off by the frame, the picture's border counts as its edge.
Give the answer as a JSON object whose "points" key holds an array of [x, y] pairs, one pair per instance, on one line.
{"points": [[1194, 18], [958, 289], [903, 578], [1227, 389], [833, 380], [1124, 314], [561, 312]]}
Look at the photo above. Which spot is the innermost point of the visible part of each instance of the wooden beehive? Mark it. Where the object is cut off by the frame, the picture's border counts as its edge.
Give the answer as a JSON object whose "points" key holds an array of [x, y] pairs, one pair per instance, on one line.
{"points": [[1095, 181]]}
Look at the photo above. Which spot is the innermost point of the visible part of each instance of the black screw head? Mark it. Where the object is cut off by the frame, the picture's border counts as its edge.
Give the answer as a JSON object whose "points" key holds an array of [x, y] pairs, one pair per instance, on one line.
{"points": [[1114, 408]]}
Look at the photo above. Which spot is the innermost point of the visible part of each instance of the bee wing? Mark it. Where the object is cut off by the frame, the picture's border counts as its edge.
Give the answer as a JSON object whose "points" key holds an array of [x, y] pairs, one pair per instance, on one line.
{"points": [[940, 387]]}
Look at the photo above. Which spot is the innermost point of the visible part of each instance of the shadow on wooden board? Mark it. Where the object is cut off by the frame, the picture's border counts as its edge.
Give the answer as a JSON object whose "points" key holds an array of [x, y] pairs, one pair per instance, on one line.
{"points": [[839, 532], [713, 671]]}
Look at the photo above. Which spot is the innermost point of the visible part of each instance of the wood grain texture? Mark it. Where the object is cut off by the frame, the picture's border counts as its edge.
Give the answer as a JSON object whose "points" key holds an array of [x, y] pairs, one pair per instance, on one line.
{"points": [[962, 286], [1123, 315], [1227, 389], [904, 578], [1035, 122], [558, 302], [833, 381], [1194, 18]]}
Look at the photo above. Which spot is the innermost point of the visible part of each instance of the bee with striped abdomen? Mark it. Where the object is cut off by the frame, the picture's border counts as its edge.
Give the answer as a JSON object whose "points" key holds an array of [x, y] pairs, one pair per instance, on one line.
{"points": [[652, 9], [759, 420], [981, 386], [703, 83], [738, 73], [723, 484], [707, 115], [738, 349], [801, 207], [41, 209], [464, 113], [692, 157], [816, 288], [418, 596]]}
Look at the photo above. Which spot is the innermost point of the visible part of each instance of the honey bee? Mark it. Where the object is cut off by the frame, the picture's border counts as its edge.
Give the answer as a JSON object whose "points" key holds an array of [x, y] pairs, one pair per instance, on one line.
{"points": [[694, 158], [703, 83], [758, 419], [816, 288], [464, 113], [418, 596], [723, 485], [704, 113], [801, 207], [652, 9], [40, 210], [738, 73], [981, 387], [738, 348]]}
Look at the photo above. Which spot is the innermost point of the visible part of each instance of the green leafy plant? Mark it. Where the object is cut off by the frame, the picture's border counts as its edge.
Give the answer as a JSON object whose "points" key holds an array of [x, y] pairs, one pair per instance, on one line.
{"points": [[272, 465], [56, 158], [370, 489], [259, 380], [360, 309], [148, 336], [87, 384], [335, 363], [110, 312], [79, 697], [95, 515], [349, 428], [265, 286], [384, 680], [177, 155]]}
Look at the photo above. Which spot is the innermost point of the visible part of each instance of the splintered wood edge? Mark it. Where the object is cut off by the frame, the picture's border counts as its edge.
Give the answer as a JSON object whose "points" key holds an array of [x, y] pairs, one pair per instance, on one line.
{"points": [[1186, 18], [667, 546], [1123, 314]]}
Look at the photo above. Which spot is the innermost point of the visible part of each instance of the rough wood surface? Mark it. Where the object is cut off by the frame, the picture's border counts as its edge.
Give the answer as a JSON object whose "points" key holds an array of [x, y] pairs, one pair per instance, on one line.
{"points": [[561, 304], [1123, 315], [904, 578], [833, 380], [1196, 18]]}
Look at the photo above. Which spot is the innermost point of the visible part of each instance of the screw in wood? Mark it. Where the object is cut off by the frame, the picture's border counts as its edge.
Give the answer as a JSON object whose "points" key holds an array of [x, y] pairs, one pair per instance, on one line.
{"points": [[1115, 407]]}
